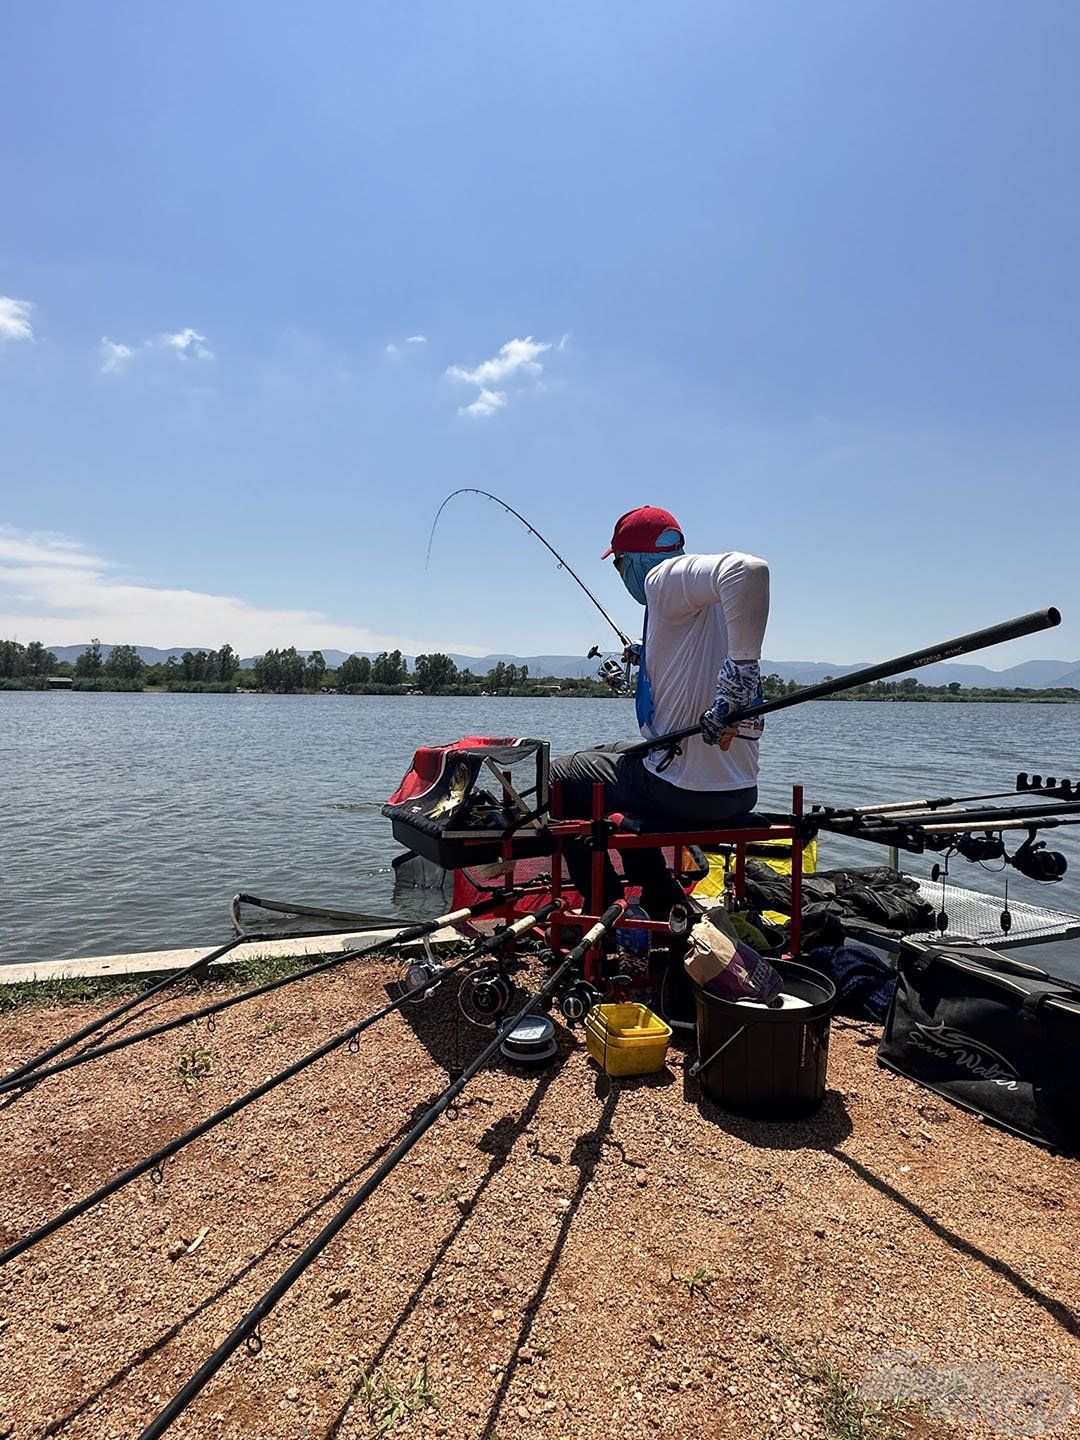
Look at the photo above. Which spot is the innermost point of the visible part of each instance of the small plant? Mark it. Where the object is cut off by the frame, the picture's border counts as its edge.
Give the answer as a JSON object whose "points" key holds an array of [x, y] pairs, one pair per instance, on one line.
{"points": [[388, 1406], [194, 1063], [843, 1412], [697, 1283], [273, 1027]]}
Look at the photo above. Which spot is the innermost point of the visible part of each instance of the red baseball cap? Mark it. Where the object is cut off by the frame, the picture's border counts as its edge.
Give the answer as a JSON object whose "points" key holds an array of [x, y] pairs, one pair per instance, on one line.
{"points": [[638, 531]]}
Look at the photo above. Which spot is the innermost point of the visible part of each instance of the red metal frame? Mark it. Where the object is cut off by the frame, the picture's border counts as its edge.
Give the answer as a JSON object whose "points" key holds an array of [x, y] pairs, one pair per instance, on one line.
{"points": [[609, 837]]}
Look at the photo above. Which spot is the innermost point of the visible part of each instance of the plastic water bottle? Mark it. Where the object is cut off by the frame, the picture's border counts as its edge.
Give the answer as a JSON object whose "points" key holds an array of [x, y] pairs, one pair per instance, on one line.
{"points": [[634, 942]]}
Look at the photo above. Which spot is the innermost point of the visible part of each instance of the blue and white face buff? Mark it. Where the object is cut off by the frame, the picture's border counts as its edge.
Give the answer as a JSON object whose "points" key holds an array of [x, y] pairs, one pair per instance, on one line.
{"points": [[635, 565]]}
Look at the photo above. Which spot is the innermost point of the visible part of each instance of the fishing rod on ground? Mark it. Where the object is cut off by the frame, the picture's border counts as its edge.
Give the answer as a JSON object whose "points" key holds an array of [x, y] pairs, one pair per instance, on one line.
{"points": [[610, 672], [36, 1070], [246, 1331], [947, 650], [154, 1163]]}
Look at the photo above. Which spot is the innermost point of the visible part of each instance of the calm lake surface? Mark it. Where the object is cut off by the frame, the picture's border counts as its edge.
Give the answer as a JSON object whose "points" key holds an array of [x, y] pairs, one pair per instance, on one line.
{"points": [[128, 821]]}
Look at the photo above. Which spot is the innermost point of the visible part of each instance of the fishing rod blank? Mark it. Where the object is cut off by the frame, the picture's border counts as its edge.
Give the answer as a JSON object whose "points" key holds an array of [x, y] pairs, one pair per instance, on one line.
{"points": [[980, 819], [19, 1079], [947, 650], [471, 490], [153, 1163], [246, 1330], [840, 812]]}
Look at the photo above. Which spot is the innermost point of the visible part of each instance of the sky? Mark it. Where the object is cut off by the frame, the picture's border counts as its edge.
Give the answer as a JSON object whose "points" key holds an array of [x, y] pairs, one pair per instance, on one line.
{"points": [[278, 278]]}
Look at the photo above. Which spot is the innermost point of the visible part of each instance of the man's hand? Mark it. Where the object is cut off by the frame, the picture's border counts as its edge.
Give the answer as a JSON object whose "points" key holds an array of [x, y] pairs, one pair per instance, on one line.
{"points": [[738, 686]]}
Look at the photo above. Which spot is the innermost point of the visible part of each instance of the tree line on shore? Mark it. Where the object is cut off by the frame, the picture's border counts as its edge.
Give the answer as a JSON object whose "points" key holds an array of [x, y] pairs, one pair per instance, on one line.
{"points": [[287, 672], [278, 672]]}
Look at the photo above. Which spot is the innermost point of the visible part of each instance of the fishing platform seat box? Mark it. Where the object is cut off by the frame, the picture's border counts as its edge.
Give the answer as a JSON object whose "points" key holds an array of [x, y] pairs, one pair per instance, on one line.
{"points": [[992, 1034], [459, 803]]}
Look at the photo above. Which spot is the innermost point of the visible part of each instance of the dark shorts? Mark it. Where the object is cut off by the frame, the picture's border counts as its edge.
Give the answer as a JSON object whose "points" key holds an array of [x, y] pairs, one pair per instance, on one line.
{"points": [[632, 789]]}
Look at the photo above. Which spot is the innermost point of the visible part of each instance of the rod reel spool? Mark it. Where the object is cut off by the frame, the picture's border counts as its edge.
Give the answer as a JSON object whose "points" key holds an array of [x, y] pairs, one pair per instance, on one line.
{"points": [[417, 976], [980, 848], [485, 995], [1036, 862], [576, 1002]]}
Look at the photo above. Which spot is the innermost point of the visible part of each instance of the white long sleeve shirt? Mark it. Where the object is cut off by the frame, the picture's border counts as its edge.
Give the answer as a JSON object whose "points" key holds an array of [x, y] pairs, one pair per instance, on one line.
{"points": [[700, 610]]}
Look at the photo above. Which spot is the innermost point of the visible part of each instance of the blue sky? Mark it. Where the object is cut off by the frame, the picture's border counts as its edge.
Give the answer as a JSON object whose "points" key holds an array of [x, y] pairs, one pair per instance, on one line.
{"points": [[806, 274]]}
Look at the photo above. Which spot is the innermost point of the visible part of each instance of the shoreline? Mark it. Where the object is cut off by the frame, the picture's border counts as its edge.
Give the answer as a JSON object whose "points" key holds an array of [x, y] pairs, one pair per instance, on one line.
{"points": [[1012, 698]]}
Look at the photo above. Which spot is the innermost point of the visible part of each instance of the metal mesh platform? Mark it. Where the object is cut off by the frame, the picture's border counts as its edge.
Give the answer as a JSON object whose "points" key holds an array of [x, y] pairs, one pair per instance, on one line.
{"points": [[977, 917]]}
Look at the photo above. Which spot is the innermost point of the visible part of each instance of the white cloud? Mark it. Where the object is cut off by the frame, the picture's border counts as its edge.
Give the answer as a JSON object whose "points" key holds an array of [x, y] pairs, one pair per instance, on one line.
{"points": [[485, 404], [393, 350], [15, 319], [513, 357], [54, 589], [113, 355], [188, 343], [515, 360]]}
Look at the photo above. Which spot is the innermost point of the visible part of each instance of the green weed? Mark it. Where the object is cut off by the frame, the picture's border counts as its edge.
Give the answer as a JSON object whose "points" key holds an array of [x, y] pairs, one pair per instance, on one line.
{"points": [[842, 1411], [697, 1283], [388, 1406], [193, 1063]]}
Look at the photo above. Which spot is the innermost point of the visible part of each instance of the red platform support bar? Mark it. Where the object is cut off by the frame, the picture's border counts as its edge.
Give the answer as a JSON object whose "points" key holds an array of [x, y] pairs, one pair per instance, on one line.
{"points": [[608, 838]]}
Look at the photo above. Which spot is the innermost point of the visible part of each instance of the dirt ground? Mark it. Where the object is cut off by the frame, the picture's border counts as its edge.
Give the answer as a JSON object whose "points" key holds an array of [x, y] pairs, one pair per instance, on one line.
{"points": [[550, 1262]]}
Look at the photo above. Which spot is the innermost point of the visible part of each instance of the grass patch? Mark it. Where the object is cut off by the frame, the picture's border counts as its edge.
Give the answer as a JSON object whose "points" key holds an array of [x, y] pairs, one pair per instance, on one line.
{"points": [[388, 1406], [843, 1412], [107, 990]]}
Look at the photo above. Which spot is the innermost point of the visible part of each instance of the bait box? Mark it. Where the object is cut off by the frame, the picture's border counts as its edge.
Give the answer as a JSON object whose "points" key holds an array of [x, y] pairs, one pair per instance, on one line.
{"points": [[627, 1039]]}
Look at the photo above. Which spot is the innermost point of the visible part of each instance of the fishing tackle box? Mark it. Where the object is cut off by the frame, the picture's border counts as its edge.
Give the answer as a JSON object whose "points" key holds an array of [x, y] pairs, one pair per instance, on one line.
{"points": [[459, 803], [990, 1033]]}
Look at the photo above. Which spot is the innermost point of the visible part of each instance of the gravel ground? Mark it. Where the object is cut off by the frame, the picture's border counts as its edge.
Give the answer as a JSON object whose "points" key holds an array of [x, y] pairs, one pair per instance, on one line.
{"points": [[551, 1262]]}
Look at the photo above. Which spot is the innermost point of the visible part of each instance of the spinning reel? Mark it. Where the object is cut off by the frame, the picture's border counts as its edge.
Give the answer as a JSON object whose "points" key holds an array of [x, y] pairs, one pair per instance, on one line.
{"points": [[418, 975], [1036, 862], [485, 995], [612, 672]]}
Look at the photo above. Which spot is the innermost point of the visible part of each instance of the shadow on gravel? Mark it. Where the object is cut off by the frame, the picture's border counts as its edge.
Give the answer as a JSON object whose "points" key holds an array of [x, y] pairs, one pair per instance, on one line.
{"points": [[828, 1127], [152, 1347], [586, 1156], [498, 1142], [1056, 1309]]}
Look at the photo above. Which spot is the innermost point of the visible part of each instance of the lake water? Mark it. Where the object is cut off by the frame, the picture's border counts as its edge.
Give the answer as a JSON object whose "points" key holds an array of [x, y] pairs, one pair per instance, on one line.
{"points": [[128, 821]]}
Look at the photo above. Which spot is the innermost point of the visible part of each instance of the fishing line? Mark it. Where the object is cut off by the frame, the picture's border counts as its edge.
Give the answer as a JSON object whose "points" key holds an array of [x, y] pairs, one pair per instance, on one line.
{"points": [[562, 563]]}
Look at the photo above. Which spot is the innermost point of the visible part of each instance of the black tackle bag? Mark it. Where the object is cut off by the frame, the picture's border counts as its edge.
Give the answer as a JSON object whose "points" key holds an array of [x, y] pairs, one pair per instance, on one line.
{"points": [[990, 1033]]}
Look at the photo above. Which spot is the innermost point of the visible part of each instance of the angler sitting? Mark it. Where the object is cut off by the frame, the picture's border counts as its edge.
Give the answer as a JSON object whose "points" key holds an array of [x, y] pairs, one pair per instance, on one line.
{"points": [[705, 618]]}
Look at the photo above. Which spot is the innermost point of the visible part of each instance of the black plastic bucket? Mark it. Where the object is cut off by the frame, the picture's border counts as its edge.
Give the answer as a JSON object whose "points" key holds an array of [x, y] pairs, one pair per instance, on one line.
{"points": [[768, 1063]]}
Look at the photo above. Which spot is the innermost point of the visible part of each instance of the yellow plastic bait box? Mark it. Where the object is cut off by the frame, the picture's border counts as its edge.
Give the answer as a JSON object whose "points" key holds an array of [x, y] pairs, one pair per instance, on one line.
{"points": [[627, 1039]]}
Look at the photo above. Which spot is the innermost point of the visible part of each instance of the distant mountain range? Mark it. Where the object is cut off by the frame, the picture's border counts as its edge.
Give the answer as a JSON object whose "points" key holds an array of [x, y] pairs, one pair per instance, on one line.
{"points": [[1028, 675]]}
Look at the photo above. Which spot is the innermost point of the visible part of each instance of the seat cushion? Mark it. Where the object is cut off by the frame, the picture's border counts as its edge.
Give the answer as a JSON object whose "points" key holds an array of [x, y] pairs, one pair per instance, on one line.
{"points": [[647, 825]]}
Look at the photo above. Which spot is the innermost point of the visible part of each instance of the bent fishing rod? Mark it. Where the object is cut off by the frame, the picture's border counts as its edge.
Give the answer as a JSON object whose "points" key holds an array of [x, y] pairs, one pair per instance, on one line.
{"points": [[37, 1069], [246, 1330], [946, 650], [563, 564], [490, 945]]}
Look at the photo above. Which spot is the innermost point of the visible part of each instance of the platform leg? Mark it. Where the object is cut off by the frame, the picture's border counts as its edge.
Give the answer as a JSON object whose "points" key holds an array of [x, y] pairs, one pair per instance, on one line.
{"points": [[796, 871]]}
